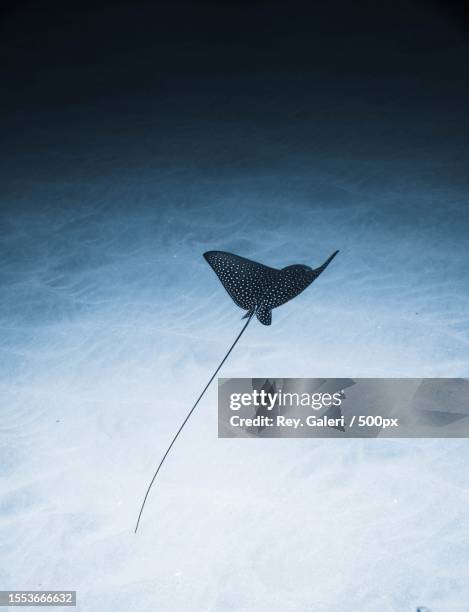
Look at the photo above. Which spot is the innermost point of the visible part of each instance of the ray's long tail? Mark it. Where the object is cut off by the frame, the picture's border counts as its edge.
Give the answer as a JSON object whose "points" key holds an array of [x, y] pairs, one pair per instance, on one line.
{"points": [[250, 315]]}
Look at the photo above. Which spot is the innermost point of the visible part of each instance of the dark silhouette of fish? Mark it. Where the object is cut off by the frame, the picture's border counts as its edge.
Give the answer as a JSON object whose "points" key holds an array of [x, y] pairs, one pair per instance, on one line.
{"points": [[262, 411], [257, 289]]}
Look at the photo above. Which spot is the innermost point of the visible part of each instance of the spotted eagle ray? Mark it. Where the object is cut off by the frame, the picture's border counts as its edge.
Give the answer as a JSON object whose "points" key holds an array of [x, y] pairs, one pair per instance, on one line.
{"points": [[258, 289]]}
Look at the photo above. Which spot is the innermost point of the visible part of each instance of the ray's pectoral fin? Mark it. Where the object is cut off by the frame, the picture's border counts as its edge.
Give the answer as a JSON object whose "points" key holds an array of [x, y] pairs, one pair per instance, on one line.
{"points": [[318, 271], [245, 280], [264, 314]]}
